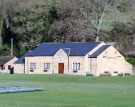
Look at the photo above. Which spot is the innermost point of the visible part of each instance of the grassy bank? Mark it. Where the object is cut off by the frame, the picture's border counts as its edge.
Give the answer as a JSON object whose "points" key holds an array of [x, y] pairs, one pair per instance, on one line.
{"points": [[69, 91]]}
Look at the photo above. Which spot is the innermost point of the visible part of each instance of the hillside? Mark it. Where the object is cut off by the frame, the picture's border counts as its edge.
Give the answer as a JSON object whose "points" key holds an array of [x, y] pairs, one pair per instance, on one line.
{"points": [[31, 22]]}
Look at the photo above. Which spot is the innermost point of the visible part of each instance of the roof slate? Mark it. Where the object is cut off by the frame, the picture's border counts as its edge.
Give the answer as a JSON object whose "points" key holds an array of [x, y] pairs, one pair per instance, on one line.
{"points": [[21, 60], [76, 49], [99, 51], [5, 59]]}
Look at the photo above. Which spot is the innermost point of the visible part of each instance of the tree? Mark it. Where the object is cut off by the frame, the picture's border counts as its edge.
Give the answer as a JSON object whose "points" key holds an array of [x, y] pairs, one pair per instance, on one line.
{"points": [[7, 9], [31, 25], [32, 22], [100, 10], [123, 35], [1, 19], [71, 24], [80, 19], [123, 5]]}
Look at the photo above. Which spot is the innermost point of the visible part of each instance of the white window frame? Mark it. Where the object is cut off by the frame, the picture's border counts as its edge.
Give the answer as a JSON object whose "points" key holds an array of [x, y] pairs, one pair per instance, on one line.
{"points": [[76, 66], [32, 67], [46, 67]]}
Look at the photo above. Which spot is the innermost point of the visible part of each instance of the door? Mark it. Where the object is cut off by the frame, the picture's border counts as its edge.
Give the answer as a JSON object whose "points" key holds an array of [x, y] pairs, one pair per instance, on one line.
{"points": [[12, 70], [61, 68]]}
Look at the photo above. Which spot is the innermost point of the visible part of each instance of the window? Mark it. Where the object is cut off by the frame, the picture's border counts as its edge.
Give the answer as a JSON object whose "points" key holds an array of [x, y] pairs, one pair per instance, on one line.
{"points": [[9, 67], [115, 72], [46, 67], [32, 67], [2, 67], [76, 67]]}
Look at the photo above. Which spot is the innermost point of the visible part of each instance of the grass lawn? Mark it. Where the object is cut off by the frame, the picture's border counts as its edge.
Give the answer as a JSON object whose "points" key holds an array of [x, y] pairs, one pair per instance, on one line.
{"points": [[69, 91]]}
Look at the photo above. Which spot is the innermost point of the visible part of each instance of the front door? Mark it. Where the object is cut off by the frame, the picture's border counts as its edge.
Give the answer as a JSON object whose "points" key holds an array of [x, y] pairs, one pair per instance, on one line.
{"points": [[61, 68]]}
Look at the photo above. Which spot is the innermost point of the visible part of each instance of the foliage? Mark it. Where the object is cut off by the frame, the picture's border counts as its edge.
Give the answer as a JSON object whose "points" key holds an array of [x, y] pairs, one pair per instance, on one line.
{"points": [[30, 25], [123, 34], [31, 22], [131, 60], [4, 50], [123, 5]]}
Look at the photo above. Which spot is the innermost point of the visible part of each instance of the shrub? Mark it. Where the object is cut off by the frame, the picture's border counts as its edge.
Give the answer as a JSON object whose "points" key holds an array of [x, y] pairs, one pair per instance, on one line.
{"points": [[131, 60]]}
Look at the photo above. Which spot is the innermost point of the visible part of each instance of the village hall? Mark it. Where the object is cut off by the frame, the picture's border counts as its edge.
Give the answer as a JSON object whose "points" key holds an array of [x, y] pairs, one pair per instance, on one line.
{"points": [[75, 58]]}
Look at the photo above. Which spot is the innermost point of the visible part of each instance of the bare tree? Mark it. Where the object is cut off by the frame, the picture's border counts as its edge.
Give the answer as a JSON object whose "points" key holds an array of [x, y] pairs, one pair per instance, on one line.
{"points": [[81, 19], [100, 16]]}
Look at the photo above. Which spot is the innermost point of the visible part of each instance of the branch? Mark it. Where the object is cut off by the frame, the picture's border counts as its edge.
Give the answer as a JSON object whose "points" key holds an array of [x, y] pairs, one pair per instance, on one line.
{"points": [[101, 19]]}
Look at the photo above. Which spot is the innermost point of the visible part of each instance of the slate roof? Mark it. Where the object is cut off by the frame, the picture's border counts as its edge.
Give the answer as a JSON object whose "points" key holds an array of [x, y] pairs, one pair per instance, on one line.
{"points": [[21, 60], [76, 49], [5, 59], [99, 51]]}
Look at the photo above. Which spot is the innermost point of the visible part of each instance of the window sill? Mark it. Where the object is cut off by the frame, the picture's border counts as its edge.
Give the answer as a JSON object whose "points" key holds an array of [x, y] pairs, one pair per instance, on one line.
{"points": [[75, 71], [45, 70]]}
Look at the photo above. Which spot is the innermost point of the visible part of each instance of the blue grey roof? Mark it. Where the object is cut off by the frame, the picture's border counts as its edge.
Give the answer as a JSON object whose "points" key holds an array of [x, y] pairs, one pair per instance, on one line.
{"points": [[5, 59], [76, 49], [99, 51], [21, 60]]}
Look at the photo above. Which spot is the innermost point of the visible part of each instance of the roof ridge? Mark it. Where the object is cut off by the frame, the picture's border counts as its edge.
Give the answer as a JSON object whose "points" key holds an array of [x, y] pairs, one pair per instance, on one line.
{"points": [[67, 42], [99, 51]]}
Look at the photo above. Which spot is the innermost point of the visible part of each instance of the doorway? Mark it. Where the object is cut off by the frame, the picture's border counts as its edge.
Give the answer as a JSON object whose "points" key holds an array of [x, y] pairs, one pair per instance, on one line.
{"points": [[61, 68]]}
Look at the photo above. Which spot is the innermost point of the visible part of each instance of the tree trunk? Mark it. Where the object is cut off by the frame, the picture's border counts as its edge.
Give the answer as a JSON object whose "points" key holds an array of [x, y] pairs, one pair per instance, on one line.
{"points": [[1, 29]]}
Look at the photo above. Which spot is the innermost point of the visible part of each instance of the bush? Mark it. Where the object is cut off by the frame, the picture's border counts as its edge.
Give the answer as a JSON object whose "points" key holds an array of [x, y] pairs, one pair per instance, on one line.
{"points": [[131, 60], [106, 74], [88, 74], [121, 75], [125, 74]]}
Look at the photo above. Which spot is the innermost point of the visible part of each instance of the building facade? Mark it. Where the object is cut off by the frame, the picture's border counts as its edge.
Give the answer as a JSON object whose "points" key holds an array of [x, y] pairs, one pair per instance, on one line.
{"points": [[74, 59], [7, 64]]}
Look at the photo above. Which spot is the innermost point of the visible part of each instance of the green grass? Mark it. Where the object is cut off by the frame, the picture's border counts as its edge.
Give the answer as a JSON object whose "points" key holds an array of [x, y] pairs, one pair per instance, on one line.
{"points": [[69, 91]]}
